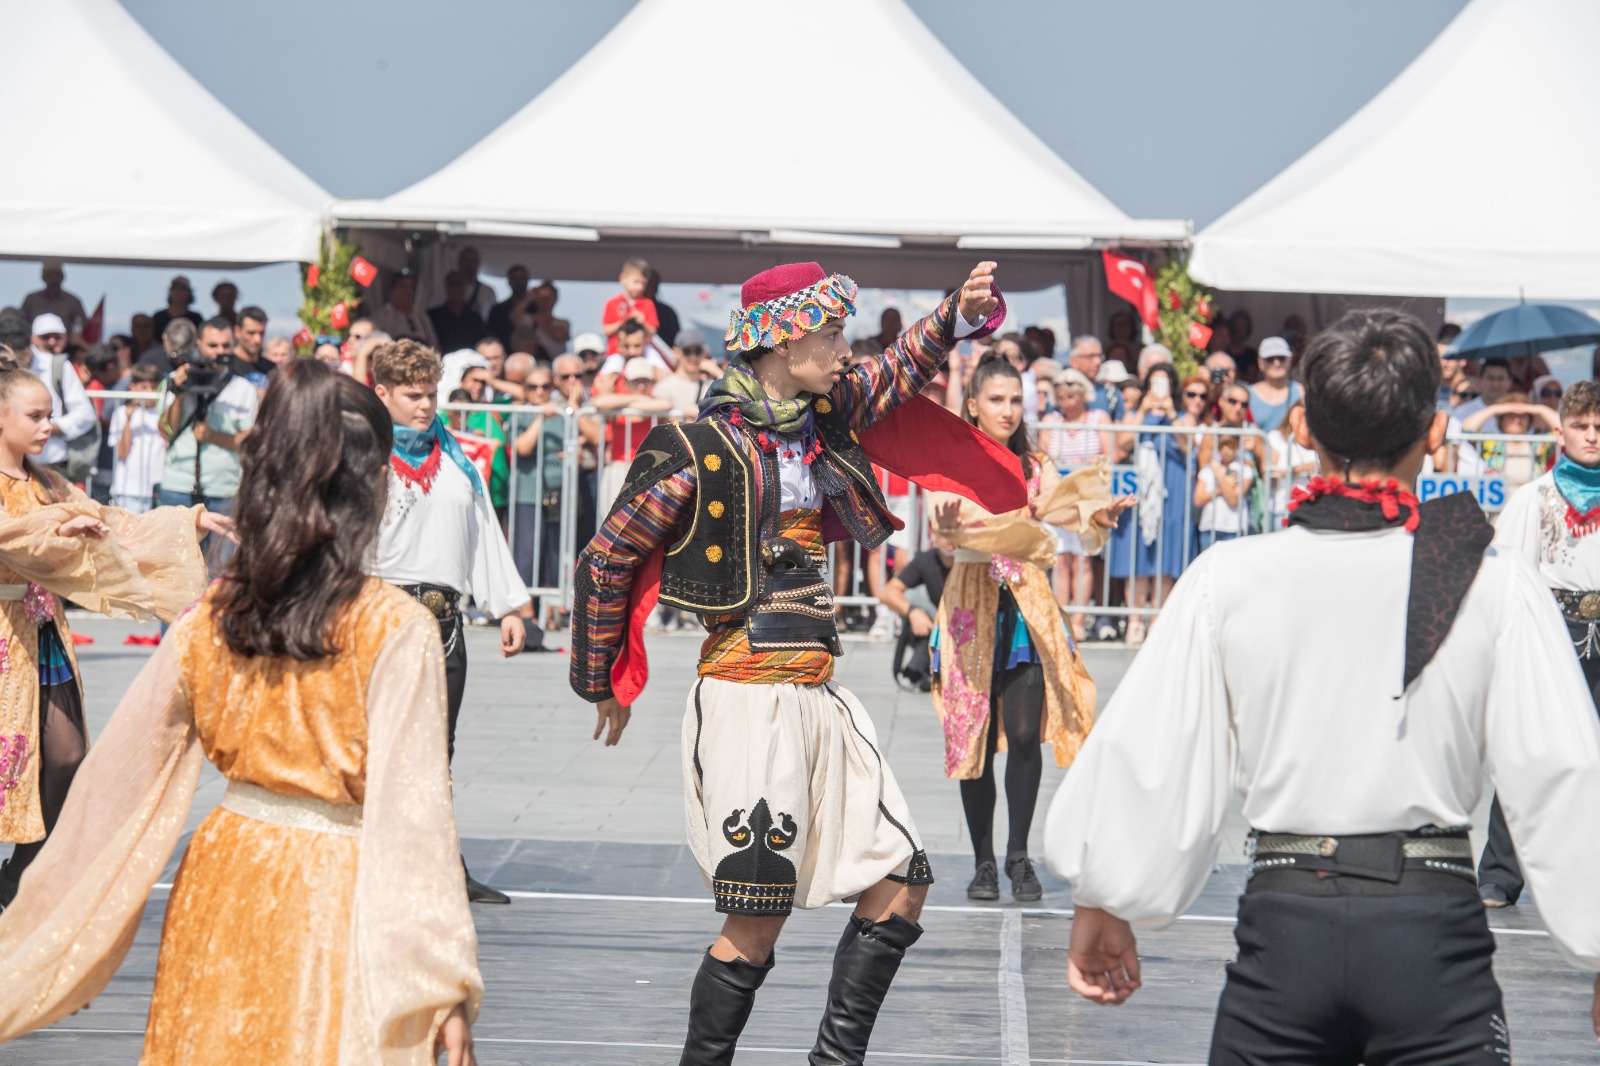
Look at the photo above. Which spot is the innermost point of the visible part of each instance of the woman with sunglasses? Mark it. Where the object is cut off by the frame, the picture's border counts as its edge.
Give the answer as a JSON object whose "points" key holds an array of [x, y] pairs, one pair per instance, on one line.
{"points": [[1274, 394], [1547, 390]]}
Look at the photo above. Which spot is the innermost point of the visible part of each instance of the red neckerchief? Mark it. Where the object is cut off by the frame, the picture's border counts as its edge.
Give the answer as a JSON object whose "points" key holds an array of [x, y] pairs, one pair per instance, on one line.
{"points": [[1387, 496], [420, 476]]}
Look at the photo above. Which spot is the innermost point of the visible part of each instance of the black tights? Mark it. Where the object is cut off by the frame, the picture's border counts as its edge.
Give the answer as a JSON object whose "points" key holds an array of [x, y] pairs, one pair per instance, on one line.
{"points": [[1018, 698], [63, 742]]}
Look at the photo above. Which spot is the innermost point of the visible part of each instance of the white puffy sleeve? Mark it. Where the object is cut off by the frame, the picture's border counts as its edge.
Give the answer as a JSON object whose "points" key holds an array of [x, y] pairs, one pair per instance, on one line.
{"points": [[1137, 823], [496, 585], [1543, 740], [1516, 532]]}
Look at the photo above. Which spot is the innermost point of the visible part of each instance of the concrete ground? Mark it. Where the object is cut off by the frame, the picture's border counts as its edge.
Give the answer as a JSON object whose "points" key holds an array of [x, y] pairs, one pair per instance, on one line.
{"points": [[592, 961]]}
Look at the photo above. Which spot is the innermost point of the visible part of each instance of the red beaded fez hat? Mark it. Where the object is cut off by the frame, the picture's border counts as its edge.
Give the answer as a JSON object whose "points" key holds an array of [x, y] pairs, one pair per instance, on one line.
{"points": [[787, 302]]}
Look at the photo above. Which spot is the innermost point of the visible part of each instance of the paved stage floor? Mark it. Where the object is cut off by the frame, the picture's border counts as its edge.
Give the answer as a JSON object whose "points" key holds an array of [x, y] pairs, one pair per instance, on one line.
{"points": [[593, 960]]}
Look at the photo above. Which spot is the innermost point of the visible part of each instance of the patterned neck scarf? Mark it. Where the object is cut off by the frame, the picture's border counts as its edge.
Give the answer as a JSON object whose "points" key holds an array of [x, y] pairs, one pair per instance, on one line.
{"points": [[739, 393]]}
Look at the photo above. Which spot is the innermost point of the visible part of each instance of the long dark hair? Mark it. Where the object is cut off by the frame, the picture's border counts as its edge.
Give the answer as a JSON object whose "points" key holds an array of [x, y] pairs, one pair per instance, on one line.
{"points": [[309, 506], [992, 366]]}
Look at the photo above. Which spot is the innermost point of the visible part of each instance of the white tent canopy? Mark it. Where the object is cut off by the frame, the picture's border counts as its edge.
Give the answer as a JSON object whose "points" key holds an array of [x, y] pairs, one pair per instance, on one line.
{"points": [[170, 176], [843, 129], [1471, 174]]}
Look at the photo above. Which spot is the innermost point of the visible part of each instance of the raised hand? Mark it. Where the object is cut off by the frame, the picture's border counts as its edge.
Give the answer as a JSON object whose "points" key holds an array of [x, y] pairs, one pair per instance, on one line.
{"points": [[83, 525], [978, 299]]}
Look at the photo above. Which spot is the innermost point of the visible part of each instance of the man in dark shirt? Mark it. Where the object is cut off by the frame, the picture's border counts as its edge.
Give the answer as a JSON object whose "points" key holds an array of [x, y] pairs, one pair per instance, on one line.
{"points": [[914, 594], [504, 315], [455, 323], [250, 338]]}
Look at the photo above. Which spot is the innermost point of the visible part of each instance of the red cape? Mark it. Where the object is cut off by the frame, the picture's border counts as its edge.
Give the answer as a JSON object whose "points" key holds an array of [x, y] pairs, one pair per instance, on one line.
{"points": [[918, 440]]}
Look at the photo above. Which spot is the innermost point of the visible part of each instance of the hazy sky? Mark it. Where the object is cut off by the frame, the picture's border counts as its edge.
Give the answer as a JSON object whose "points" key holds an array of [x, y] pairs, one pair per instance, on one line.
{"points": [[1172, 108]]}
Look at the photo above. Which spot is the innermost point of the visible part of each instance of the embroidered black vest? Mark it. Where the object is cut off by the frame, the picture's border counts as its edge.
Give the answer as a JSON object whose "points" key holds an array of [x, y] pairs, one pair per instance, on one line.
{"points": [[715, 566]]}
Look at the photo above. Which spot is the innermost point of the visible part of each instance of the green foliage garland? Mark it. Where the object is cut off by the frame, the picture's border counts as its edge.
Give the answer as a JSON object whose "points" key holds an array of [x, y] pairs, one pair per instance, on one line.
{"points": [[1183, 303], [334, 286]]}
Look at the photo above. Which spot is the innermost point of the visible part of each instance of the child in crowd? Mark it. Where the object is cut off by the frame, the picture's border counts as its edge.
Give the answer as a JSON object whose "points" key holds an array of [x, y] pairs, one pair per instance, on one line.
{"points": [[141, 451], [630, 304], [1220, 492]]}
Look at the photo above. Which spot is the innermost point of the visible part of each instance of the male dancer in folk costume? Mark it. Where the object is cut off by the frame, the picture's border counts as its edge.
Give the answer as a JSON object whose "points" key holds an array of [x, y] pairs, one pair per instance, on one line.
{"points": [[1356, 700], [789, 800], [440, 540], [1553, 522]]}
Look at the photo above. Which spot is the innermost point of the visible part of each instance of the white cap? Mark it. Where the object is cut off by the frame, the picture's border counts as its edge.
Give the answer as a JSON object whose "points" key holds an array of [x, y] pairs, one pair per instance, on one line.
{"points": [[1112, 372], [589, 342], [1274, 346], [48, 323], [638, 369]]}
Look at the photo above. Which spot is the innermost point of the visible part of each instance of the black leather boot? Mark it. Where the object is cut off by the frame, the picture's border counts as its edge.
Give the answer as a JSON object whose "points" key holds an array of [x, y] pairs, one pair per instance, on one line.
{"points": [[864, 966], [719, 1005]]}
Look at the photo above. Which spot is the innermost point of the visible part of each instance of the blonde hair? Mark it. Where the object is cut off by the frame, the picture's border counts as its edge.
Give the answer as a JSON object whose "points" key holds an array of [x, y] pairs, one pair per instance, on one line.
{"points": [[12, 378]]}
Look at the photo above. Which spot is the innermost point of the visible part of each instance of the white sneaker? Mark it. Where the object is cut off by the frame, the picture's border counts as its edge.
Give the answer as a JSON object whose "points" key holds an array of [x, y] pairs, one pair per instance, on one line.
{"points": [[882, 629]]}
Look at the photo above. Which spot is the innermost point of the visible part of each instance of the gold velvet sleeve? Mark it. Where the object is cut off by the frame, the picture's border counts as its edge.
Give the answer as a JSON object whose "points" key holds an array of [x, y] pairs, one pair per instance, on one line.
{"points": [[147, 565], [80, 902], [414, 950], [1071, 502]]}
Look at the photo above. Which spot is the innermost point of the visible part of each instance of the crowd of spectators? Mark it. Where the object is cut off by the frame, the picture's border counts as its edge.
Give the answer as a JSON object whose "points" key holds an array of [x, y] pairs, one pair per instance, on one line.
{"points": [[1211, 454]]}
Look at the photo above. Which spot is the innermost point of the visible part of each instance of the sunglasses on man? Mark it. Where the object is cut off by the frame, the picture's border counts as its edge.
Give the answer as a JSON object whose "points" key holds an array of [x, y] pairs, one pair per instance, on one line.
{"points": [[1271, 359], [1465, 394]]}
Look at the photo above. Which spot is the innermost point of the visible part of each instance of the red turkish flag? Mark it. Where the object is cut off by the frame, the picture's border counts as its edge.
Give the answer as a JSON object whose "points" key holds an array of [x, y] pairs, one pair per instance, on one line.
{"points": [[1199, 335], [363, 271], [303, 339], [480, 452], [313, 275], [1130, 279], [339, 316], [95, 325]]}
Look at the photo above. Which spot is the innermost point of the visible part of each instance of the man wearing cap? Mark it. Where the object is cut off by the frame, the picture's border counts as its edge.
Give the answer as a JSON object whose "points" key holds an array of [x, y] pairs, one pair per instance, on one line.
{"points": [[695, 372], [71, 413], [54, 300], [1274, 394], [626, 432], [788, 797]]}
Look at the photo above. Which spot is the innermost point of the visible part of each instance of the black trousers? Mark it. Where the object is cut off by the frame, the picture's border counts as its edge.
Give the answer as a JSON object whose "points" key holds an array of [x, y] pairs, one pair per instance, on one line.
{"points": [[1341, 980], [455, 670], [1498, 870]]}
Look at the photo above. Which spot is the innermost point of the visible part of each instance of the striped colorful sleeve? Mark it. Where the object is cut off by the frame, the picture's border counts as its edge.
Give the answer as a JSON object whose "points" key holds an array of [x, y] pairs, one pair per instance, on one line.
{"points": [[605, 572], [871, 389]]}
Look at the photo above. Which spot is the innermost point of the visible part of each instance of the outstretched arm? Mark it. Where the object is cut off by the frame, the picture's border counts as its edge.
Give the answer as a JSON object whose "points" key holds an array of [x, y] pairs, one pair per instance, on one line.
{"points": [[876, 386]]}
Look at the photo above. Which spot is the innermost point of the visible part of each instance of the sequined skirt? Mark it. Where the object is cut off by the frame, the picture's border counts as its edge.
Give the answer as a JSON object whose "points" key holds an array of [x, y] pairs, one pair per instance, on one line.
{"points": [[255, 945]]}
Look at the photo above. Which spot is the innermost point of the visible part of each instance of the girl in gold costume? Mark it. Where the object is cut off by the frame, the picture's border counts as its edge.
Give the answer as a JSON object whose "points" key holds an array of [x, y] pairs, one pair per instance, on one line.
{"points": [[1008, 674], [319, 914]]}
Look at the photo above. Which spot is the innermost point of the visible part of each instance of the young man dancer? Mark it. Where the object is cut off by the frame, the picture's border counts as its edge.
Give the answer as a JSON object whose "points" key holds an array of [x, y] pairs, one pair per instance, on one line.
{"points": [[788, 798], [440, 540], [1356, 701], [1551, 522]]}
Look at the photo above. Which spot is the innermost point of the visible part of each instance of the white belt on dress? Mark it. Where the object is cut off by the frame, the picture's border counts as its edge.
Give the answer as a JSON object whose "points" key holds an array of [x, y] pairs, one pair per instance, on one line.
{"points": [[296, 812]]}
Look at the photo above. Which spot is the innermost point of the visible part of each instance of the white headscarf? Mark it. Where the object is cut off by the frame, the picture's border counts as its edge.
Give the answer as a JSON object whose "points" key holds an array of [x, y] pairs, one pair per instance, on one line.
{"points": [[456, 365]]}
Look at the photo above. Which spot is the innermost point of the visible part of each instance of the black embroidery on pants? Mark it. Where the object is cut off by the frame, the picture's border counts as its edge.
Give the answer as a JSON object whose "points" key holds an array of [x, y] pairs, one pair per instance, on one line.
{"points": [[756, 879]]}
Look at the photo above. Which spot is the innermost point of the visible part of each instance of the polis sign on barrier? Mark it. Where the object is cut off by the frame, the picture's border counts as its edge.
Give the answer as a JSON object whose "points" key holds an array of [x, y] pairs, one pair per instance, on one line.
{"points": [[1490, 489]]}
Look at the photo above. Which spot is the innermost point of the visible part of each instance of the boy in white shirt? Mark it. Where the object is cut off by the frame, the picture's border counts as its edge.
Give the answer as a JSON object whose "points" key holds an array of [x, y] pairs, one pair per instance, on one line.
{"points": [[1220, 492], [141, 451]]}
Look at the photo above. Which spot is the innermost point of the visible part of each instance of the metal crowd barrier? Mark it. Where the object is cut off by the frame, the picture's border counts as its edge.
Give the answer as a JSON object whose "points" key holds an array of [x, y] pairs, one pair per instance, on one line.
{"points": [[1128, 559]]}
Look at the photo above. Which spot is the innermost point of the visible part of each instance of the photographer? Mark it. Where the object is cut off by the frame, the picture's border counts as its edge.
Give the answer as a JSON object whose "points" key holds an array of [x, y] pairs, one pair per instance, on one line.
{"points": [[206, 413]]}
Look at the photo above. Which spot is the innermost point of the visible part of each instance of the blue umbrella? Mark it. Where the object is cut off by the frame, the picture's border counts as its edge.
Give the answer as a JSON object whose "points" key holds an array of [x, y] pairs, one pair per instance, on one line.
{"points": [[1524, 330]]}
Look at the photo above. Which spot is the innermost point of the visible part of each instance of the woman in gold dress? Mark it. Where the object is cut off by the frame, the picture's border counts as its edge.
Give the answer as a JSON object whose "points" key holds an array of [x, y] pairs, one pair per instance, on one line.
{"points": [[1008, 676], [55, 544], [319, 914]]}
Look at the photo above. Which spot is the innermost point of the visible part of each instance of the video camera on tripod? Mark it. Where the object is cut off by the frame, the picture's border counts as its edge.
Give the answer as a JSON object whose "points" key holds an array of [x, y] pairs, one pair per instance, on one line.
{"points": [[204, 381]]}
